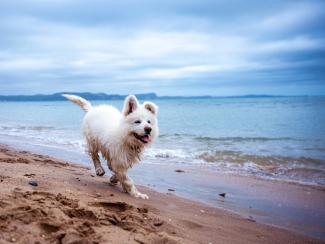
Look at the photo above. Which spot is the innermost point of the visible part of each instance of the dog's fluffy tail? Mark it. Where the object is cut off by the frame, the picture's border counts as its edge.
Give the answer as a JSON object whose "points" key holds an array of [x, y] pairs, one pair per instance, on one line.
{"points": [[83, 103]]}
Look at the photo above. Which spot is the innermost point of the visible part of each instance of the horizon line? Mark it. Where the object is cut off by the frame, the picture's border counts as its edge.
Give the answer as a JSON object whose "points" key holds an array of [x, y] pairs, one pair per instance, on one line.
{"points": [[150, 95]]}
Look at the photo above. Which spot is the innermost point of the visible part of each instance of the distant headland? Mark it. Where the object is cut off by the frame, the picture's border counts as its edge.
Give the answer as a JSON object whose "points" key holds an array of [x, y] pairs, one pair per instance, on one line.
{"points": [[104, 96]]}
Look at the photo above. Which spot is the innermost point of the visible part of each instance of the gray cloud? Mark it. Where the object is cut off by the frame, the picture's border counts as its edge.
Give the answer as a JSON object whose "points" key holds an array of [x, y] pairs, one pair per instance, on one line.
{"points": [[169, 47]]}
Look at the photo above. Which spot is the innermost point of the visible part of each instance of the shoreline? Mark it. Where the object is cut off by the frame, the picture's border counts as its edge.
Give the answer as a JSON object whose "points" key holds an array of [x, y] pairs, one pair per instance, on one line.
{"points": [[283, 204], [70, 203]]}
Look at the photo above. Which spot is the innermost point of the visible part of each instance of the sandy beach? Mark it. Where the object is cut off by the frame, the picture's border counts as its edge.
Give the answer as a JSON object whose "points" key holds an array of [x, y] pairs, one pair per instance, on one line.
{"points": [[46, 200], [211, 112]]}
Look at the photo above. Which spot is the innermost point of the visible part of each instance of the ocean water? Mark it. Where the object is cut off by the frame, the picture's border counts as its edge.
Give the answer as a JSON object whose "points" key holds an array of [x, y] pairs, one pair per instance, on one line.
{"points": [[279, 138]]}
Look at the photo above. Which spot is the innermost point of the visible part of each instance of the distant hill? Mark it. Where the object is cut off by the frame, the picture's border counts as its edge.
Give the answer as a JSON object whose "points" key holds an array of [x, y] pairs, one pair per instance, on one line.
{"points": [[104, 96], [86, 95]]}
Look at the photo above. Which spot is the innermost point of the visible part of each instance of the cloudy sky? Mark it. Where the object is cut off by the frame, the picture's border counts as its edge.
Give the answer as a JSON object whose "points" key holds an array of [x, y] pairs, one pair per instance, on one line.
{"points": [[171, 47]]}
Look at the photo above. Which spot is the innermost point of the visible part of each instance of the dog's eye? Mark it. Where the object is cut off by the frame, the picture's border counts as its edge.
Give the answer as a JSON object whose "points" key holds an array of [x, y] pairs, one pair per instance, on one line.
{"points": [[149, 122], [137, 122]]}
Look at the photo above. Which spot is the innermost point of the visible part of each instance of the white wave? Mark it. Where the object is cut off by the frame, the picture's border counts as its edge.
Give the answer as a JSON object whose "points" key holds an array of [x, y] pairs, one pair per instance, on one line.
{"points": [[228, 161], [45, 135], [166, 153]]}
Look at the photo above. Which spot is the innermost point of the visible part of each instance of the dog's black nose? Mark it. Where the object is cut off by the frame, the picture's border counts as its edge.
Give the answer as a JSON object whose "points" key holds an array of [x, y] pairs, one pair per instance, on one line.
{"points": [[147, 130]]}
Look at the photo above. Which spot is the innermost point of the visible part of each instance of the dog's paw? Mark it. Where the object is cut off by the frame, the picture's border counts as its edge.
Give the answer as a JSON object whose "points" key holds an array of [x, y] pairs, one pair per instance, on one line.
{"points": [[100, 171], [142, 196], [113, 180]]}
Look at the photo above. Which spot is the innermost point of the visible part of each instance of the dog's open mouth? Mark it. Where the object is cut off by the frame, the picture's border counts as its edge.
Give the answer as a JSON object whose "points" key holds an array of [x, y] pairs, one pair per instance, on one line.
{"points": [[144, 138]]}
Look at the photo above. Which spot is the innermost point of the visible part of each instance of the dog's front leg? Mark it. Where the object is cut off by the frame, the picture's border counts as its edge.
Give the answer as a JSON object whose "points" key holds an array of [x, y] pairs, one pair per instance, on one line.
{"points": [[129, 187]]}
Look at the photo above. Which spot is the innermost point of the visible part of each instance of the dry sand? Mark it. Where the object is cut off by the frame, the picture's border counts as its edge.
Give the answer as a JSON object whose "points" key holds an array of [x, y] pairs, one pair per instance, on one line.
{"points": [[72, 205]]}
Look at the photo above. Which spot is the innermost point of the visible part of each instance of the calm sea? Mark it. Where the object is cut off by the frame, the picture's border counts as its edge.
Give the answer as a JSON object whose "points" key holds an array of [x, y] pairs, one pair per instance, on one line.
{"points": [[276, 138]]}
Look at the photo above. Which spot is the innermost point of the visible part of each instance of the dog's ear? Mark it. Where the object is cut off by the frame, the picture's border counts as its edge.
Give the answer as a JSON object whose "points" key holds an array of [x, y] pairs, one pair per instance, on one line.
{"points": [[153, 108], [130, 104]]}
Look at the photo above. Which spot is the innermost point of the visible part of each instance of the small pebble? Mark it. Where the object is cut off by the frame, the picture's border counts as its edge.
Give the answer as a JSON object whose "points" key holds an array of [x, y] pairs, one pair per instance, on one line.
{"points": [[251, 219], [33, 183], [158, 223], [179, 171], [169, 189], [222, 194]]}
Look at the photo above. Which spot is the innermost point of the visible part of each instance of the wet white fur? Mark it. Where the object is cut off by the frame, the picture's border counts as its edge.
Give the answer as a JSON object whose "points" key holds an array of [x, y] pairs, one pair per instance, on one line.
{"points": [[111, 133]]}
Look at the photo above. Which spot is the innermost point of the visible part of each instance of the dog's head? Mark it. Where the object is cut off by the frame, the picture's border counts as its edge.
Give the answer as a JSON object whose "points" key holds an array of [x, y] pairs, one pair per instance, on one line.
{"points": [[140, 121]]}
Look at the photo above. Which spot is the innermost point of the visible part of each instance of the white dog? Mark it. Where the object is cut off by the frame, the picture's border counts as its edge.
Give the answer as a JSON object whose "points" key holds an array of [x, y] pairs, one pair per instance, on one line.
{"points": [[119, 137]]}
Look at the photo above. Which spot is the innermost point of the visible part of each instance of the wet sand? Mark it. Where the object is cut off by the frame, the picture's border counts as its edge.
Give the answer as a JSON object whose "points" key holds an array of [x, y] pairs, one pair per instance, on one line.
{"points": [[288, 205], [46, 200]]}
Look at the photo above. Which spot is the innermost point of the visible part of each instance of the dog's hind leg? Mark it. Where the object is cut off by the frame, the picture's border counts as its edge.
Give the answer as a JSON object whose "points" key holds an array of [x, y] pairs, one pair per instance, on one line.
{"points": [[98, 167], [93, 151], [113, 180]]}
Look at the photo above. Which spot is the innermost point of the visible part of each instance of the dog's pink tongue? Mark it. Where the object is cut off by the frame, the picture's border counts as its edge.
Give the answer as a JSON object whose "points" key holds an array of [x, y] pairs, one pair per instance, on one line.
{"points": [[146, 138]]}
